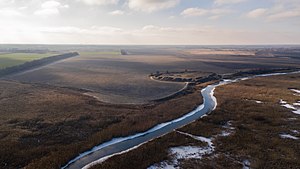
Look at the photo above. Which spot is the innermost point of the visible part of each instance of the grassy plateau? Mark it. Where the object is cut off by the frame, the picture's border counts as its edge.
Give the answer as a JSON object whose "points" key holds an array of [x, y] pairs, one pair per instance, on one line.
{"points": [[13, 59]]}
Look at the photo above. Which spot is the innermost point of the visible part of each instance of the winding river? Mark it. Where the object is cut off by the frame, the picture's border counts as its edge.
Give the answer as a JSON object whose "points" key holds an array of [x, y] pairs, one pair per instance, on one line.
{"points": [[121, 145]]}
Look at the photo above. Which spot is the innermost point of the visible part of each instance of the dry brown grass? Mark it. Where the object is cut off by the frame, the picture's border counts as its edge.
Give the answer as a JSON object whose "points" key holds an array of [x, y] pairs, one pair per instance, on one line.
{"points": [[44, 126], [221, 52]]}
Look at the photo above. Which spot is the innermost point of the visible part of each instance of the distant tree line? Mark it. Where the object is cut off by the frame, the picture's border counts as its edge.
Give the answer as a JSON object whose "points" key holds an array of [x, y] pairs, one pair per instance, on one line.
{"points": [[35, 64], [124, 52], [16, 50], [260, 71]]}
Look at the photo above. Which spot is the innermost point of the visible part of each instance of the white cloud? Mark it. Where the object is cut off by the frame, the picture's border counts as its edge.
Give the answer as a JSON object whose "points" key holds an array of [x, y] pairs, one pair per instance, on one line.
{"points": [[116, 12], [172, 17], [153, 28], [257, 13], [225, 2], [284, 15], [212, 13], [280, 10], [51, 4], [194, 12], [47, 12], [5, 3], [106, 29], [151, 5], [7, 12], [100, 2], [284, 9], [23, 8], [94, 30], [49, 8]]}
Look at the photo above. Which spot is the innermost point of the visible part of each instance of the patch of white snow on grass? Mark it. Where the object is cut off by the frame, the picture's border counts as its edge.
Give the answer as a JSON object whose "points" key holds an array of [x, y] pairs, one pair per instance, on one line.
{"points": [[295, 131], [246, 164], [162, 165], [296, 91], [225, 133], [258, 102], [296, 104], [282, 101], [190, 152], [186, 152], [289, 106], [288, 136], [229, 131], [199, 138], [297, 111], [228, 125]]}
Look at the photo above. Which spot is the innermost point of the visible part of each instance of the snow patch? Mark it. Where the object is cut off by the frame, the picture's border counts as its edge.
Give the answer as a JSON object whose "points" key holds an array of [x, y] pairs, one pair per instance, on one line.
{"points": [[228, 125], [199, 138], [225, 133], [296, 91], [292, 119], [214, 98], [246, 164], [282, 101], [190, 152], [291, 106], [163, 165], [296, 104], [297, 112], [258, 102], [186, 152], [229, 131], [288, 136]]}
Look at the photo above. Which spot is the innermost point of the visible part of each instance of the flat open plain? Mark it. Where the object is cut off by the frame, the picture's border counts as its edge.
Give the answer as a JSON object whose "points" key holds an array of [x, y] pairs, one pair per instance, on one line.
{"points": [[116, 78]]}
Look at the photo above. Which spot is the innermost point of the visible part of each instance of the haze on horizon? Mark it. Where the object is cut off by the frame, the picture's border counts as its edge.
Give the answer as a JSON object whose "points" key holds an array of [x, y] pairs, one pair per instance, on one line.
{"points": [[190, 22]]}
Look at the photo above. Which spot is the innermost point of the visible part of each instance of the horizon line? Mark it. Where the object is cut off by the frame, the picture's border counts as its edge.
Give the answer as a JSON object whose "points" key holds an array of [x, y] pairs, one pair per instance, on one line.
{"points": [[81, 44]]}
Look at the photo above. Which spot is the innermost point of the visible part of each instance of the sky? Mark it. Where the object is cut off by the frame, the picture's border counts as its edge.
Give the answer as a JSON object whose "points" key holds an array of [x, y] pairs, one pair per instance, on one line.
{"points": [[150, 22]]}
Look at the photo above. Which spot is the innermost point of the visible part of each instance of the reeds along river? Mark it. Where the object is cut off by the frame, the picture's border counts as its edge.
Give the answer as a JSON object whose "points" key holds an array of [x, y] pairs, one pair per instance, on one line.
{"points": [[116, 146]]}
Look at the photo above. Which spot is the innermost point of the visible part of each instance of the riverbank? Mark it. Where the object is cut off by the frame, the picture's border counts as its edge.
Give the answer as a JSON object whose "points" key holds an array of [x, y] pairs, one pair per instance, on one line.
{"points": [[182, 91], [249, 128]]}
